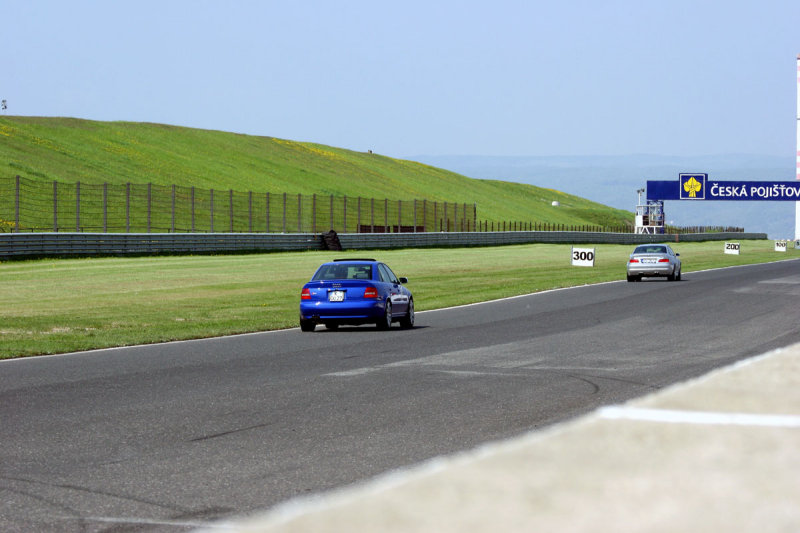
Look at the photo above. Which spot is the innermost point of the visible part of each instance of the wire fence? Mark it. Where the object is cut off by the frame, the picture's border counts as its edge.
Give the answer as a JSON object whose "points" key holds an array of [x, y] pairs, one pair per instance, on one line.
{"points": [[38, 206], [41, 206]]}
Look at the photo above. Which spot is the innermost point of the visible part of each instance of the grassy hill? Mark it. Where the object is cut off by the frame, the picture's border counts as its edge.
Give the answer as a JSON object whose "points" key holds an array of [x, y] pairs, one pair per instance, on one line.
{"points": [[70, 150]]}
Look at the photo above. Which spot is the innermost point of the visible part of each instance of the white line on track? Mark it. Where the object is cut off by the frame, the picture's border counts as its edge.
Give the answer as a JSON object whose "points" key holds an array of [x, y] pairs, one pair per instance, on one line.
{"points": [[703, 418]]}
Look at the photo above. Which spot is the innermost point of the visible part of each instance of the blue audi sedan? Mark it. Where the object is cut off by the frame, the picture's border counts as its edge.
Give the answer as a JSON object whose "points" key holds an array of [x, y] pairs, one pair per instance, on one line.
{"points": [[355, 292]]}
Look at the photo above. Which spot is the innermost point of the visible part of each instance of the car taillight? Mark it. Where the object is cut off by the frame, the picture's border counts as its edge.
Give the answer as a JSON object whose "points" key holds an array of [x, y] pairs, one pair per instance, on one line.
{"points": [[370, 292], [306, 294], [663, 260], [633, 261]]}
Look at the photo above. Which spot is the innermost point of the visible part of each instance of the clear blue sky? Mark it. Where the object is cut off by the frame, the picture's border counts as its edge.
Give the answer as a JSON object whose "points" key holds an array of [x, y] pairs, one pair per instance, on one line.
{"points": [[421, 77]]}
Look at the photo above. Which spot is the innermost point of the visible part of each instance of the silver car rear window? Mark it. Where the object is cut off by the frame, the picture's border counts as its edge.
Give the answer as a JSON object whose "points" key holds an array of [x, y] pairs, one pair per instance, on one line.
{"points": [[650, 249]]}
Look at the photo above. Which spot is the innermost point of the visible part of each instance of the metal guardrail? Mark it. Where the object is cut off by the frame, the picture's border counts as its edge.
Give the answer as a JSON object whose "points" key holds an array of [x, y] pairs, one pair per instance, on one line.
{"points": [[30, 245]]}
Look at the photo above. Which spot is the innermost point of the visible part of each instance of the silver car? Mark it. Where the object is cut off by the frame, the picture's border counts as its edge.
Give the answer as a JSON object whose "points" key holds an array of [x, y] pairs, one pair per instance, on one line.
{"points": [[654, 260]]}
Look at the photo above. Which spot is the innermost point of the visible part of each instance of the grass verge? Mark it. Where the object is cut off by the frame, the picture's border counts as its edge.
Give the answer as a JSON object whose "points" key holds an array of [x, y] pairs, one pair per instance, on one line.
{"points": [[65, 305]]}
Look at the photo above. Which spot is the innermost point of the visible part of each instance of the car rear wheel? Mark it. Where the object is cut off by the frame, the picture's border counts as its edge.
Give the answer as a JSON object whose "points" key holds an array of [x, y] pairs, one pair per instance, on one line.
{"points": [[331, 325], [307, 325], [385, 322], [407, 322]]}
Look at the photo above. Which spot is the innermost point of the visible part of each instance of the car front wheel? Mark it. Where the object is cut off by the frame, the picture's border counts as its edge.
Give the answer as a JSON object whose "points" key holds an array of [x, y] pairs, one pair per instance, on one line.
{"points": [[407, 322]]}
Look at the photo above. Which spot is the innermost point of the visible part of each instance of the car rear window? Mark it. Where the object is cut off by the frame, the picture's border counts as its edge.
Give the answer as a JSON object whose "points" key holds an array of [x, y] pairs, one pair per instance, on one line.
{"points": [[650, 250], [350, 271]]}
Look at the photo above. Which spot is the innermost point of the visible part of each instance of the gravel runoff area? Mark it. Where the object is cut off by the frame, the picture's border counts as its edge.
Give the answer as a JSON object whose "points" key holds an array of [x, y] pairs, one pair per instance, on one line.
{"points": [[717, 453]]}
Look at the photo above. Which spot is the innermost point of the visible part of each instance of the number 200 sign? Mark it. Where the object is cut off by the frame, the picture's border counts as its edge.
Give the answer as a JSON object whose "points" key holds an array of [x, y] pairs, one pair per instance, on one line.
{"points": [[583, 257]]}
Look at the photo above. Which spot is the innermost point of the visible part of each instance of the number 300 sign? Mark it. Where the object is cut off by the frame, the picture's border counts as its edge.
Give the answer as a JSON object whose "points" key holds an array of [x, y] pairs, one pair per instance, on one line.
{"points": [[583, 257]]}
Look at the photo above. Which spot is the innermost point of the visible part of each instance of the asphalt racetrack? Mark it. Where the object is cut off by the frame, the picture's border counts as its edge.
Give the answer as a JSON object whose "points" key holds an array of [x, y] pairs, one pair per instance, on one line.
{"points": [[175, 436]]}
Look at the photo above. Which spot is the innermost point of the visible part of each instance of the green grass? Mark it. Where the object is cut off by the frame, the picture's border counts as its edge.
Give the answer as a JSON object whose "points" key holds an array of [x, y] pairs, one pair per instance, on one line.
{"points": [[56, 306], [70, 150]]}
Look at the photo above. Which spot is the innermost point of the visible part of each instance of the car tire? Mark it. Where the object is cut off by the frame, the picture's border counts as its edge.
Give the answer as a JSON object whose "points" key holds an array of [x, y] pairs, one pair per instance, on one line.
{"points": [[631, 278], [307, 325], [671, 277], [407, 322], [678, 277], [385, 322], [331, 325]]}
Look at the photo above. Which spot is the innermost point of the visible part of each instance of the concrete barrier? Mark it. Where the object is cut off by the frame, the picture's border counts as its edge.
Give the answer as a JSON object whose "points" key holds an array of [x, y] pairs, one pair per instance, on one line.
{"points": [[28, 245]]}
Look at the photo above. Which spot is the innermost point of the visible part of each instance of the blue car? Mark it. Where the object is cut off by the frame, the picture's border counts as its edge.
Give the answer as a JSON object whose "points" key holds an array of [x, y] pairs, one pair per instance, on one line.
{"points": [[354, 292]]}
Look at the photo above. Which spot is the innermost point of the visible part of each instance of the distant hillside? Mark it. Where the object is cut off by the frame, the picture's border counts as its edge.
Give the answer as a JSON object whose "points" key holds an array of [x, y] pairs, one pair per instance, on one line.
{"points": [[71, 150], [613, 181]]}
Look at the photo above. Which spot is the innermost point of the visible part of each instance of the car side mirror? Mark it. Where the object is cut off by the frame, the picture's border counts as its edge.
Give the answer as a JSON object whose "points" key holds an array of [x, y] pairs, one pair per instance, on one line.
{"points": [[403, 280], [677, 255]]}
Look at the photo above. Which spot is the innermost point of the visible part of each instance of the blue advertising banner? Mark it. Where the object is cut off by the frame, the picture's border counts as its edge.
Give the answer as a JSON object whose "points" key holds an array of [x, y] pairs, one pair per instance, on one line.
{"points": [[699, 187]]}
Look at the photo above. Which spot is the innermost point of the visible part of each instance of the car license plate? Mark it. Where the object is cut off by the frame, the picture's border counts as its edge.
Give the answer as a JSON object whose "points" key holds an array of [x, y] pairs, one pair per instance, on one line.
{"points": [[648, 261], [336, 296]]}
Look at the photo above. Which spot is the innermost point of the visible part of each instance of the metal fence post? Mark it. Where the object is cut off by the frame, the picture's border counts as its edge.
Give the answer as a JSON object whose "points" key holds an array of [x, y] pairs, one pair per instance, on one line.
{"points": [[230, 209], [212, 210], [192, 194], [344, 216], [386, 215], [77, 206], [415, 215], [172, 224], [284, 212], [16, 206], [55, 206], [299, 213], [105, 207], [149, 205], [331, 219], [313, 213], [358, 215], [372, 214], [399, 216], [250, 211], [267, 212], [127, 208]]}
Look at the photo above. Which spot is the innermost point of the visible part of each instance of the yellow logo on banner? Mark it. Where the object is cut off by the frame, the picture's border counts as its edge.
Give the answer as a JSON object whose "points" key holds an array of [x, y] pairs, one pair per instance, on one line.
{"points": [[692, 186]]}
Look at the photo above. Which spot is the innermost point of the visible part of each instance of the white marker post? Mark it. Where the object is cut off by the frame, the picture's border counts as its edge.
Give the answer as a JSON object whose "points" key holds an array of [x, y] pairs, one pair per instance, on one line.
{"points": [[583, 257], [780, 246], [732, 248]]}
